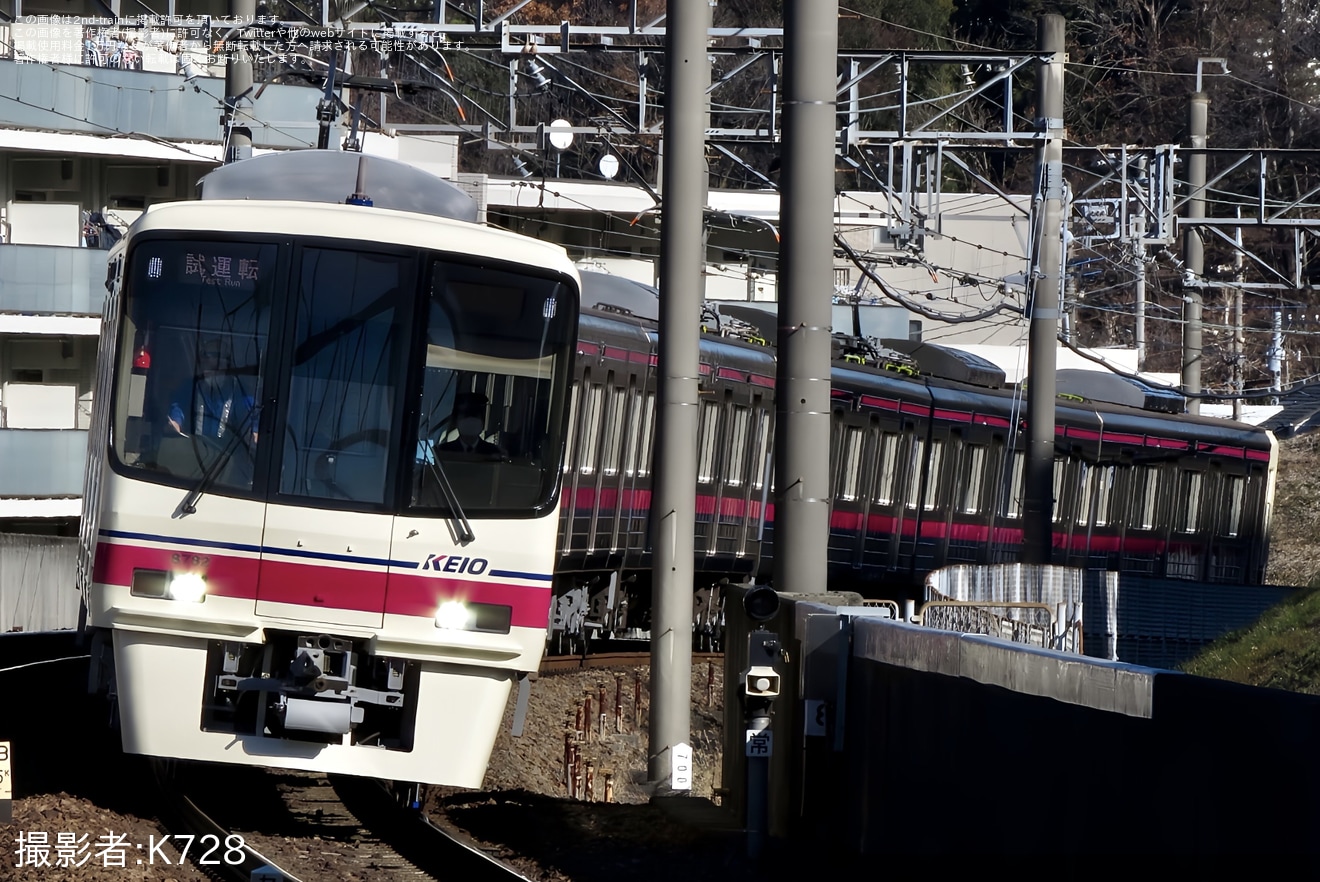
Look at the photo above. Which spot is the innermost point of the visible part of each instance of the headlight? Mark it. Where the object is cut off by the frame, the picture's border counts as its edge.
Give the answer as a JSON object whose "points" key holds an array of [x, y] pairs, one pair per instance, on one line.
{"points": [[186, 587], [189, 587], [490, 618], [452, 614]]}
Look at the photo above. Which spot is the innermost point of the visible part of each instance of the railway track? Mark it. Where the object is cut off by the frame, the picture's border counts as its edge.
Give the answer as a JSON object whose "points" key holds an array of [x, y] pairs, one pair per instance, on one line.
{"points": [[222, 853], [553, 664], [310, 827]]}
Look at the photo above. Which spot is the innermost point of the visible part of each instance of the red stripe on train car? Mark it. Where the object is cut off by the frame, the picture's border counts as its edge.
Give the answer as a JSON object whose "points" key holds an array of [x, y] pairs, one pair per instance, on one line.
{"points": [[758, 380], [226, 575], [991, 420], [957, 416], [410, 594], [1223, 450], [588, 348], [398, 593], [322, 587], [1125, 438], [879, 403]]}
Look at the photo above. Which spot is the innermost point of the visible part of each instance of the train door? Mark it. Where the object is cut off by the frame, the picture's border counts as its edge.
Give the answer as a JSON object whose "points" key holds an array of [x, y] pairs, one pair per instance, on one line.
{"points": [[907, 489], [851, 492], [326, 543]]}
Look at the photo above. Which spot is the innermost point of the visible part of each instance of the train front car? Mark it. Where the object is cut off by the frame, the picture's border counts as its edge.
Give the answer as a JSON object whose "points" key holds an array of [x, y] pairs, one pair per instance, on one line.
{"points": [[328, 484]]}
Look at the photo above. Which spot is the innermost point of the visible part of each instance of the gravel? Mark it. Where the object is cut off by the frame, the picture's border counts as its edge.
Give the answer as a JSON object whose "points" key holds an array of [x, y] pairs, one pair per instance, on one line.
{"points": [[523, 814]]}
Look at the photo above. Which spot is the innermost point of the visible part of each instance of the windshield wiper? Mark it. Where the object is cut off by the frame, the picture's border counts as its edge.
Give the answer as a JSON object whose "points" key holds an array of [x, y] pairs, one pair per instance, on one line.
{"points": [[188, 505], [461, 525]]}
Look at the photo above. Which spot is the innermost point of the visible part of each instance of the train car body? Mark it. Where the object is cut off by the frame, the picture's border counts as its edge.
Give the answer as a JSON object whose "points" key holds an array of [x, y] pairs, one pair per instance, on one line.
{"points": [[926, 471], [301, 560]]}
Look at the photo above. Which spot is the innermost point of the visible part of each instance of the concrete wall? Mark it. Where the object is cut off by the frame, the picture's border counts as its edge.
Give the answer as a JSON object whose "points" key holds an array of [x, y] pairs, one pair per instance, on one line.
{"points": [[942, 742]]}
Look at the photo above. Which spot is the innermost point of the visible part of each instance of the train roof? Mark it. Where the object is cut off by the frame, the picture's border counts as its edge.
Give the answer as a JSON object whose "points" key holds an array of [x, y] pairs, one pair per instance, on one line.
{"points": [[1117, 389], [332, 176], [950, 363], [621, 295], [354, 223]]}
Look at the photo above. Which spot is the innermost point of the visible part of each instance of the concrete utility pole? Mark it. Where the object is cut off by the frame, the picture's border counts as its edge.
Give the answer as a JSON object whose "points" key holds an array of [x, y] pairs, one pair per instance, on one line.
{"points": [[806, 285], [238, 84], [1139, 270], [1042, 355], [1239, 340], [673, 518], [1194, 252]]}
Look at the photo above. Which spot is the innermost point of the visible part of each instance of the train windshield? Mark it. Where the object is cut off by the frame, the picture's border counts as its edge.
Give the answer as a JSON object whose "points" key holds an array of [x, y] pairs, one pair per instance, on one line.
{"points": [[489, 423], [343, 377], [191, 355]]}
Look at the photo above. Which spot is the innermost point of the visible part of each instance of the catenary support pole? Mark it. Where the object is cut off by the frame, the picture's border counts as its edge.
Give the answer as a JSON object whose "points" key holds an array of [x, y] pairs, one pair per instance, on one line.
{"points": [[1042, 356], [1239, 340], [1139, 270], [238, 84], [1194, 253], [682, 258], [806, 286]]}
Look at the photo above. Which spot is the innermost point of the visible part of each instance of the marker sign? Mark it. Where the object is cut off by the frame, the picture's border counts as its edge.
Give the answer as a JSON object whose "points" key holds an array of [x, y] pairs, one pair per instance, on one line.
{"points": [[680, 773], [6, 784]]}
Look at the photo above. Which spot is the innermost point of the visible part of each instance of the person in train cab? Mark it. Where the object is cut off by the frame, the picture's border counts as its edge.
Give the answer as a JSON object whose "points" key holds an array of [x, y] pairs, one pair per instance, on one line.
{"points": [[213, 403], [470, 418]]}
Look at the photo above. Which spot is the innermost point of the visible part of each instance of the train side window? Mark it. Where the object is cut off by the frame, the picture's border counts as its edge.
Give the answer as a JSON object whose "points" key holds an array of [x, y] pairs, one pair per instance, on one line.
{"points": [[1146, 495], [615, 428], [1233, 494], [1189, 502], [1060, 502], [1103, 477], [648, 435], [709, 422], [736, 472], [572, 446], [1094, 483], [632, 452], [974, 479], [916, 460], [935, 483], [851, 473], [888, 460], [592, 407], [1085, 487], [763, 467], [1015, 490]]}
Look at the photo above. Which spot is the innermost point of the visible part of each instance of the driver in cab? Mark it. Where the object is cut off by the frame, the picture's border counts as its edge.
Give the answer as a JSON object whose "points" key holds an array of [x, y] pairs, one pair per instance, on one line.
{"points": [[212, 404], [470, 418]]}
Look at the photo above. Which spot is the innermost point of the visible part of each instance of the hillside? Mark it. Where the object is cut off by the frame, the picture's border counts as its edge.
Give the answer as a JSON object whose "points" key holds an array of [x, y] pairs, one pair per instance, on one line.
{"points": [[1296, 525], [1282, 649]]}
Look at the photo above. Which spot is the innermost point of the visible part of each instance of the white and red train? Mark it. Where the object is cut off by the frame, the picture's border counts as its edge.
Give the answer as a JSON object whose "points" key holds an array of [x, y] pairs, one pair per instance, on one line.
{"points": [[353, 462], [323, 491], [926, 459]]}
